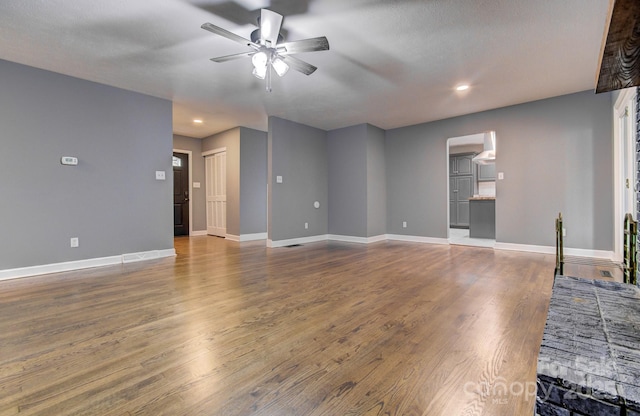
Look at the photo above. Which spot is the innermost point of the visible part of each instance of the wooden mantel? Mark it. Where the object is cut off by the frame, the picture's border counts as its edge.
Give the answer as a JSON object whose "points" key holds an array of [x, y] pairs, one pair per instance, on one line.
{"points": [[620, 51]]}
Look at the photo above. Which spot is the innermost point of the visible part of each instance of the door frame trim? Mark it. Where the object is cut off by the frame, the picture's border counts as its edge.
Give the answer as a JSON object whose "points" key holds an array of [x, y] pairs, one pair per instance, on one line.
{"points": [[626, 97], [214, 151], [189, 154]]}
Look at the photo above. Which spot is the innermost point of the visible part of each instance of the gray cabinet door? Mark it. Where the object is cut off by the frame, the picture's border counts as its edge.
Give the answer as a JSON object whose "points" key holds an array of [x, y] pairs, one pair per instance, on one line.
{"points": [[460, 190], [487, 172], [453, 209], [461, 164], [482, 219], [465, 191], [464, 165]]}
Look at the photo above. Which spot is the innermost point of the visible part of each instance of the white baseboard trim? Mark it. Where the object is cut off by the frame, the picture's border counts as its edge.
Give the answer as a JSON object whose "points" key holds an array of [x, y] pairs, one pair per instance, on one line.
{"points": [[528, 248], [245, 237], [253, 237], [147, 255], [617, 258], [198, 233], [84, 264], [292, 241], [232, 237], [595, 254], [348, 239], [377, 238], [578, 252], [359, 240], [417, 239]]}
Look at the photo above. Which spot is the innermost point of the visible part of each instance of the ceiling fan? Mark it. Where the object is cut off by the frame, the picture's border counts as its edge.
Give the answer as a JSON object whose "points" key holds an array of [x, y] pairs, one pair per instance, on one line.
{"points": [[268, 49]]}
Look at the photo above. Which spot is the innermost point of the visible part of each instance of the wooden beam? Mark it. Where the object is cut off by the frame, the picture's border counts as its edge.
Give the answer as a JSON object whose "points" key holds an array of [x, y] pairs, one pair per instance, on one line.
{"points": [[620, 52]]}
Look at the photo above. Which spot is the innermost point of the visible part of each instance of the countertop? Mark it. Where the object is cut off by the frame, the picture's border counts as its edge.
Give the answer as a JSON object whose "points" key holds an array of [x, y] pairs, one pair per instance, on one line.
{"points": [[482, 198]]}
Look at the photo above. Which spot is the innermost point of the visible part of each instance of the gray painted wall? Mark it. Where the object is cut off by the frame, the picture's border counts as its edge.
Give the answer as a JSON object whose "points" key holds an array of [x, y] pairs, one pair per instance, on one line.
{"points": [[298, 153], [231, 140], [556, 155], [253, 181], [198, 195], [347, 159], [376, 183], [111, 200], [357, 181]]}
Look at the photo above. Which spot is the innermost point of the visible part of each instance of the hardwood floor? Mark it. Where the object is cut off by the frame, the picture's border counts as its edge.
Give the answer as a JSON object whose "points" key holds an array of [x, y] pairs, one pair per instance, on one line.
{"points": [[331, 328]]}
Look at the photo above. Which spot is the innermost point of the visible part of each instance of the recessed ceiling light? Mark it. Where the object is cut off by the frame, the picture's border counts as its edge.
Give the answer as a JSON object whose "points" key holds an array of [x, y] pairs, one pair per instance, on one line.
{"points": [[462, 87], [197, 121]]}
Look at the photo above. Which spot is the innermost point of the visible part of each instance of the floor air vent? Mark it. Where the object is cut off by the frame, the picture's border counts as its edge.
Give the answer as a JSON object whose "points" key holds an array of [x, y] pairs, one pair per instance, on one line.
{"points": [[294, 245]]}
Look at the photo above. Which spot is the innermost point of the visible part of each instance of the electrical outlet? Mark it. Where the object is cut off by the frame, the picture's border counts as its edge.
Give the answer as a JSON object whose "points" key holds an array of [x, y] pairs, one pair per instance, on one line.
{"points": [[404, 224], [74, 242], [564, 232], [306, 225]]}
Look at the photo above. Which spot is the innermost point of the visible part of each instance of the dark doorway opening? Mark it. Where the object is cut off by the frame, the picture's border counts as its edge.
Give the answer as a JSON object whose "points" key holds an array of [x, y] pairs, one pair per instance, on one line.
{"points": [[180, 194]]}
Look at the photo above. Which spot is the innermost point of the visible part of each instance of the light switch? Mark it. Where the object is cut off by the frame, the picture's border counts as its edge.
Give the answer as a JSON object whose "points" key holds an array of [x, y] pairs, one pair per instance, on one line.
{"points": [[500, 176], [278, 179], [69, 160], [160, 175]]}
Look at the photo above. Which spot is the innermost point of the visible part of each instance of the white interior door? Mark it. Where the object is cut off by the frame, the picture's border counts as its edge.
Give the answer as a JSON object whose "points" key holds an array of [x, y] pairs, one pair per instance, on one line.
{"points": [[216, 172]]}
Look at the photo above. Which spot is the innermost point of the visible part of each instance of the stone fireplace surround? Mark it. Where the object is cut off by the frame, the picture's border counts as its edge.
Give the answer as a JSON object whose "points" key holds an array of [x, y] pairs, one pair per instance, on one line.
{"points": [[589, 361]]}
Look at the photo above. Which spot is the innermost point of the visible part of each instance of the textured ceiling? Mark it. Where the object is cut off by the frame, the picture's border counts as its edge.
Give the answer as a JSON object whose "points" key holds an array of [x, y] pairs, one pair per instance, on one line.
{"points": [[391, 63]]}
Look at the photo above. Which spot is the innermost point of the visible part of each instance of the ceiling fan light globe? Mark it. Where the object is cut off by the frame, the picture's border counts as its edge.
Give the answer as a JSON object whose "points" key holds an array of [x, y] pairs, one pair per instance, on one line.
{"points": [[260, 73], [280, 66], [259, 60]]}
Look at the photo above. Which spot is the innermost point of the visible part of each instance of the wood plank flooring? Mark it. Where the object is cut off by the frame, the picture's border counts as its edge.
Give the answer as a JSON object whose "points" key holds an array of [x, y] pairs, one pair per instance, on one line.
{"points": [[328, 328]]}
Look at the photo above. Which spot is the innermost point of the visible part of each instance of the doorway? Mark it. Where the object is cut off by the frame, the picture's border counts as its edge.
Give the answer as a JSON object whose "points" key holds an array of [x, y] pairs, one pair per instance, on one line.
{"points": [[470, 184], [181, 194]]}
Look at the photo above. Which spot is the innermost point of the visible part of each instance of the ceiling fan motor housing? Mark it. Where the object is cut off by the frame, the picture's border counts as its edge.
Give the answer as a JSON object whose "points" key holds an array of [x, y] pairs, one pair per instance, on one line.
{"points": [[257, 38]]}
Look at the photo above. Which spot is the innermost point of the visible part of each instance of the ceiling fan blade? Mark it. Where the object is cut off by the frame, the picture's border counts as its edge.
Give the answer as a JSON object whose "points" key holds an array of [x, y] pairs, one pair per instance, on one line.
{"points": [[232, 57], [306, 45], [299, 65], [270, 23], [229, 35]]}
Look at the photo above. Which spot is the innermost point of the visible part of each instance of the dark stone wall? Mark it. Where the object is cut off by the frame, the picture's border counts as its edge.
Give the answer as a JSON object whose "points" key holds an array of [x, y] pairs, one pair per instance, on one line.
{"points": [[637, 152], [637, 216]]}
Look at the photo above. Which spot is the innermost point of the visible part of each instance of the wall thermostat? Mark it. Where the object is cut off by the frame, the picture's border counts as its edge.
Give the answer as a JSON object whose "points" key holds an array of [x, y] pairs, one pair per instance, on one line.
{"points": [[69, 160]]}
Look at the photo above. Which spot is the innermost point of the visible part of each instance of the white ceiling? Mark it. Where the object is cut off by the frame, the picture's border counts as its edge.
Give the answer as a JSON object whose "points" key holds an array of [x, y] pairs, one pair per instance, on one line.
{"points": [[392, 63]]}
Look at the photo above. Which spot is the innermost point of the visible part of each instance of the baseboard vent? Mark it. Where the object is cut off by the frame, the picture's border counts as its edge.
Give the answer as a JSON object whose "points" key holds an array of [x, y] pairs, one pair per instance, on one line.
{"points": [[605, 273], [293, 245]]}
